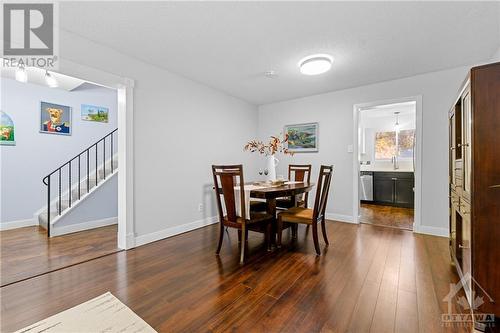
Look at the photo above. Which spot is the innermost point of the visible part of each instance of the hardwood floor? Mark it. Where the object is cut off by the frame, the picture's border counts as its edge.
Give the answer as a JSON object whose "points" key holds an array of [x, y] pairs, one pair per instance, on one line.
{"points": [[387, 216], [369, 279], [27, 252]]}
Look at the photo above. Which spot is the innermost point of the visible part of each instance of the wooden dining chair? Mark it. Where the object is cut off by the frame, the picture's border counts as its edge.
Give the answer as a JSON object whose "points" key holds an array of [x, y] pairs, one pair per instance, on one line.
{"points": [[226, 178], [298, 173], [301, 215]]}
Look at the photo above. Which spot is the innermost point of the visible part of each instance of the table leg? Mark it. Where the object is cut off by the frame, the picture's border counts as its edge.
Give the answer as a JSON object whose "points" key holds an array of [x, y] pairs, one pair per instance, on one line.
{"points": [[295, 226], [271, 210]]}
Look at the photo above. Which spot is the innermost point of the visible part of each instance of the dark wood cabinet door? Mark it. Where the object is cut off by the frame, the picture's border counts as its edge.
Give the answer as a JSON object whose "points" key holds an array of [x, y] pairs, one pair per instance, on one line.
{"points": [[383, 190], [403, 194]]}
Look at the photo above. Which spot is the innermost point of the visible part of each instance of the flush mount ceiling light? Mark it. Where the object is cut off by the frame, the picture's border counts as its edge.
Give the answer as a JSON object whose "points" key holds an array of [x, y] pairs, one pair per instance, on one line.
{"points": [[50, 80], [315, 64], [21, 74]]}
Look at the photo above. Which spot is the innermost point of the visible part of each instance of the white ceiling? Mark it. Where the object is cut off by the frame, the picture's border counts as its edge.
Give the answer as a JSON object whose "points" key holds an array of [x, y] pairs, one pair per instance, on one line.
{"points": [[229, 45], [37, 76]]}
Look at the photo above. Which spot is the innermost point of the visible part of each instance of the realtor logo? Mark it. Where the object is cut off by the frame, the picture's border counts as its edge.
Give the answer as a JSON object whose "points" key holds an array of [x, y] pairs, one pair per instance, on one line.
{"points": [[471, 313], [28, 29], [29, 37]]}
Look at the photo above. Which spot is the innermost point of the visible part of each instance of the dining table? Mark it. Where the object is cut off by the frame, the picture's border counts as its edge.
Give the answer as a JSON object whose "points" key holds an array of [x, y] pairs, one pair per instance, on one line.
{"points": [[272, 192]]}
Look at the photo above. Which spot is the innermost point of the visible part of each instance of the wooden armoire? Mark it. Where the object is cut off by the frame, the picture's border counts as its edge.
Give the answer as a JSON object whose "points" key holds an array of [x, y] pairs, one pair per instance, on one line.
{"points": [[474, 129]]}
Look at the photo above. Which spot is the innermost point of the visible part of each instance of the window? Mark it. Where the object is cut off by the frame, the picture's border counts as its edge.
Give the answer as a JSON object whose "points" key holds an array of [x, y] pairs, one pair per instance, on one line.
{"points": [[389, 144], [385, 144]]}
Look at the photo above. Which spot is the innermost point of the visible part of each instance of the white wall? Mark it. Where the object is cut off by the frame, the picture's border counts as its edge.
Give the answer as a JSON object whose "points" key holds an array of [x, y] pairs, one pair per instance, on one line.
{"points": [[36, 154], [496, 56], [180, 128], [334, 112], [101, 205]]}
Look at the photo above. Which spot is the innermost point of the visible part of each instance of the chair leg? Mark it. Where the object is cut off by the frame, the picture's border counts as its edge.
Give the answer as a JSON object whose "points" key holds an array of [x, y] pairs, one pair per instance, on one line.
{"points": [[315, 238], [323, 229], [221, 236], [279, 230], [295, 231], [239, 236], [242, 245], [268, 237]]}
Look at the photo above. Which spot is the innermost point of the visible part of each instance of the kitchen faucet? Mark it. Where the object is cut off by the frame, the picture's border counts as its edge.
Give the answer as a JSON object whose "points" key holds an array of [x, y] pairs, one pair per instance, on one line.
{"points": [[395, 163]]}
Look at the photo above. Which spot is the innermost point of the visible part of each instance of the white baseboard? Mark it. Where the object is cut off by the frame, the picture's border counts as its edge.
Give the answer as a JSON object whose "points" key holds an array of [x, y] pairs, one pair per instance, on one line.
{"points": [[58, 231], [434, 231], [340, 217], [18, 224], [172, 231]]}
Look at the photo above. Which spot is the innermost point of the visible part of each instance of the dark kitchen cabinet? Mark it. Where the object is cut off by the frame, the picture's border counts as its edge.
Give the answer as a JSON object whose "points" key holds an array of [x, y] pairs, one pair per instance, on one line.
{"points": [[404, 192], [383, 190], [394, 188]]}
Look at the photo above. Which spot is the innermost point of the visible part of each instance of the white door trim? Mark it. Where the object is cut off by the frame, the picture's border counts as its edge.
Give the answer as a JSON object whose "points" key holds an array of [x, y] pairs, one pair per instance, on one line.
{"points": [[124, 87], [418, 156]]}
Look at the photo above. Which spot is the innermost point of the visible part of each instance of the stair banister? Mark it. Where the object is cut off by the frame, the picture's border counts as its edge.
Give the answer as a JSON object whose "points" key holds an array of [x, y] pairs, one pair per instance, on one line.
{"points": [[47, 179]]}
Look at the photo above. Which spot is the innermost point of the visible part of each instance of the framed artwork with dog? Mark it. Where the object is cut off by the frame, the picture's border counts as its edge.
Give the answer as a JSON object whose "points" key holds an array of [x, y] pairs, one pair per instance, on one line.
{"points": [[55, 118]]}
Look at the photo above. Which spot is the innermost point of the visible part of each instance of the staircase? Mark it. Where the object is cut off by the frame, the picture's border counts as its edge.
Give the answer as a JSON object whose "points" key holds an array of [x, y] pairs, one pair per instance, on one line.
{"points": [[76, 180]]}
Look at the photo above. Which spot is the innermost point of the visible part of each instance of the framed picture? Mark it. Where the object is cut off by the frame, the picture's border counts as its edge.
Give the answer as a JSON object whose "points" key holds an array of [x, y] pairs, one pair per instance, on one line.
{"points": [[302, 137], [55, 118], [95, 113], [6, 130]]}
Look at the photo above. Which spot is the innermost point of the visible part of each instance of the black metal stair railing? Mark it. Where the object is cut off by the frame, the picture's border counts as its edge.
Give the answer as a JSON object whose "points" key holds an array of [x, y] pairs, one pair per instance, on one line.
{"points": [[84, 155]]}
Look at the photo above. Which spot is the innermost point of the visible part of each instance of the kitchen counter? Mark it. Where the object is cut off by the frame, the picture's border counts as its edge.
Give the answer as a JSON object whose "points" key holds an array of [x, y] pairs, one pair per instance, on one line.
{"points": [[379, 169]]}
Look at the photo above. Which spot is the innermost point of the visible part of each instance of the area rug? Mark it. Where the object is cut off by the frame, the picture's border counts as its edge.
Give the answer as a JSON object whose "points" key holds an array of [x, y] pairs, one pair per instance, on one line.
{"points": [[104, 313]]}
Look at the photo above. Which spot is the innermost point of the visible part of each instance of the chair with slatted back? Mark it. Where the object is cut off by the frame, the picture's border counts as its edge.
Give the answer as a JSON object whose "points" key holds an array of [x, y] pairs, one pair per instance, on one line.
{"points": [[226, 179], [301, 215], [298, 173]]}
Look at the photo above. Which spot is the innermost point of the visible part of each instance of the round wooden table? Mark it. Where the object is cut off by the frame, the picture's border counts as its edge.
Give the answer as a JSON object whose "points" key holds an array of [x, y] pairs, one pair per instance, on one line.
{"points": [[270, 194]]}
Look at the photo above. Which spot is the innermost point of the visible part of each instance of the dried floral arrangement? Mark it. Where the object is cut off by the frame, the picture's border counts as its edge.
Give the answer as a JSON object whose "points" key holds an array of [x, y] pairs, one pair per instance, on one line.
{"points": [[275, 145]]}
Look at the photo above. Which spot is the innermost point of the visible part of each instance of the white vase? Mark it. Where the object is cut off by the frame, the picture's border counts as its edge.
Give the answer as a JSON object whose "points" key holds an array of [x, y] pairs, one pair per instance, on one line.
{"points": [[271, 163]]}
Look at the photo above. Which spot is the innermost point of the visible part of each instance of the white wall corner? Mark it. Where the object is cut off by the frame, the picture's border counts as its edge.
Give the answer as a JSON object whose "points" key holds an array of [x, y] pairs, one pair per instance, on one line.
{"points": [[175, 230], [18, 224], [58, 231], [434, 231], [340, 218], [496, 55]]}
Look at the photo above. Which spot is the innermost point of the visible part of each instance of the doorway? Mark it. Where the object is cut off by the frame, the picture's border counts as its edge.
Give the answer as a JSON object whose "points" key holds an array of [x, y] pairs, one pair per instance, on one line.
{"points": [[102, 236], [386, 162]]}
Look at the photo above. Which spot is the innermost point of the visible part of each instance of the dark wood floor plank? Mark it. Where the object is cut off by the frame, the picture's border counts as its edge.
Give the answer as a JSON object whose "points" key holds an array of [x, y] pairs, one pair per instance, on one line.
{"points": [[365, 304], [385, 311], [429, 313]]}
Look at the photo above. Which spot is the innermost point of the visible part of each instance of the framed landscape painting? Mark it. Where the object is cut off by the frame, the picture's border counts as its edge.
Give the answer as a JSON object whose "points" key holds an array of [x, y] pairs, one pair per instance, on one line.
{"points": [[95, 113], [302, 137], [55, 118]]}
